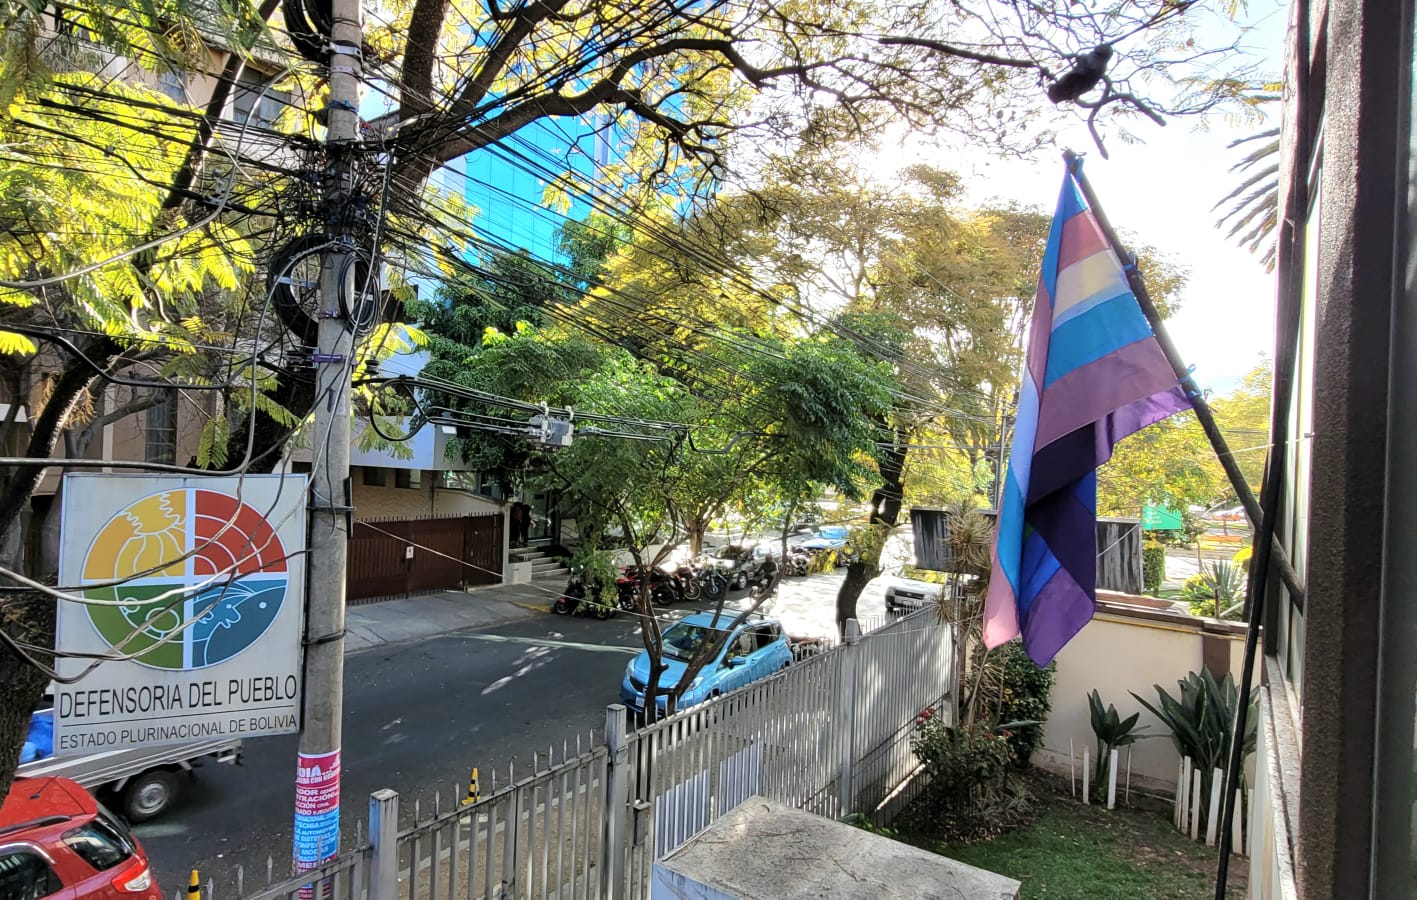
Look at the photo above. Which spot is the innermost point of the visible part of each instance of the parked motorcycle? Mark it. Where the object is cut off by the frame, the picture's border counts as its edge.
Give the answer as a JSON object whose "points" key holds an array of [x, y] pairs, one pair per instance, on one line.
{"points": [[664, 587], [708, 583], [574, 599], [796, 563], [686, 582]]}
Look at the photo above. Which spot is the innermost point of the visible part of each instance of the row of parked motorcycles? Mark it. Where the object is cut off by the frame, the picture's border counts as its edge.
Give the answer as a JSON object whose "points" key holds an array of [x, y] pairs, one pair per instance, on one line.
{"points": [[700, 579]]}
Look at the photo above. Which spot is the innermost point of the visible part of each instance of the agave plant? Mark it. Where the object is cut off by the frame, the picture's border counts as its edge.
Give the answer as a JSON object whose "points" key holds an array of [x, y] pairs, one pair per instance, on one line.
{"points": [[1202, 722], [1112, 732], [1220, 587]]}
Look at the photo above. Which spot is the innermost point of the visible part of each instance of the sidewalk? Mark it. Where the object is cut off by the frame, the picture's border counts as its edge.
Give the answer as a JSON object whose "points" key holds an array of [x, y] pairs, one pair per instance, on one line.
{"points": [[412, 618]]}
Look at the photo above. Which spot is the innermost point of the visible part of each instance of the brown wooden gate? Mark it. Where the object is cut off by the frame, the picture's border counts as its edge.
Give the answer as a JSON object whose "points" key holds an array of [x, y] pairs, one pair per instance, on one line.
{"points": [[410, 556]]}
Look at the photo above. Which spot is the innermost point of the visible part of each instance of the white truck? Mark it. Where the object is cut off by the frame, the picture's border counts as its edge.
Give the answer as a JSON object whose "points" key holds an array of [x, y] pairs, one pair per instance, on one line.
{"points": [[144, 781]]}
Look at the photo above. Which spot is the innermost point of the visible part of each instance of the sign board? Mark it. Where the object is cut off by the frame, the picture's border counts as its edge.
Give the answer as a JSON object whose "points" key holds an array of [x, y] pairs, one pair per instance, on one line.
{"points": [[1160, 518], [199, 584]]}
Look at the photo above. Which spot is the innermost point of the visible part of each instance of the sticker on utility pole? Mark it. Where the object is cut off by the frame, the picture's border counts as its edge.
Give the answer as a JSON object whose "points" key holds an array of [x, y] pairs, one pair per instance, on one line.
{"points": [[191, 592], [316, 810]]}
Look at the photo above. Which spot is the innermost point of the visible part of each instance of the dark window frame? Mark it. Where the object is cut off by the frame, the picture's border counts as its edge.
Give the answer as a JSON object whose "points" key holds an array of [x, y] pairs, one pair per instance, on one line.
{"points": [[160, 430]]}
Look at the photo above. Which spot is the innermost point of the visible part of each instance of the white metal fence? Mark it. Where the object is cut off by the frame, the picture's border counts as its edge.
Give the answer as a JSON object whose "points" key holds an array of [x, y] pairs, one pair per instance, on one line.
{"points": [[830, 735]]}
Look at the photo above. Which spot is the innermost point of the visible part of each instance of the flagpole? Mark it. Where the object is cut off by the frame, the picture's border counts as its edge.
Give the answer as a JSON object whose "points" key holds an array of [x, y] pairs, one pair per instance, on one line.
{"points": [[1202, 409], [1266, 545]]}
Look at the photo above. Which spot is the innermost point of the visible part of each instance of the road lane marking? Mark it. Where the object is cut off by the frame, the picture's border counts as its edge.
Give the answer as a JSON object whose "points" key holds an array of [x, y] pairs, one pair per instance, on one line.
{"points": [[543, 642]]}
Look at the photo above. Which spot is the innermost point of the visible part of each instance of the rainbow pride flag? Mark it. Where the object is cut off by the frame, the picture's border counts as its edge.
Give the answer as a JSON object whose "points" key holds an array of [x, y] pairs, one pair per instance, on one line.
{"points": [[1094, 373]]}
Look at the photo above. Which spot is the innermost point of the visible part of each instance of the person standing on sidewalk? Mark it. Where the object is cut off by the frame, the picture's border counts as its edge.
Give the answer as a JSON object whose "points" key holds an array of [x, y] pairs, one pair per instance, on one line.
{"points": [[518, 518]]}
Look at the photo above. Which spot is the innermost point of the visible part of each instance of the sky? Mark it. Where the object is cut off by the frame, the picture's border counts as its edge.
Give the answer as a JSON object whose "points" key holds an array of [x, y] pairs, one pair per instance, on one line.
{"points": [[1162, 191]]}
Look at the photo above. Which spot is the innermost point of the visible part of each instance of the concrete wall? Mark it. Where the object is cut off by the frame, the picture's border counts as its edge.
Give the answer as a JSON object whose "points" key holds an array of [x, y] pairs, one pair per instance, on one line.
{"points": [[1125, 649]]}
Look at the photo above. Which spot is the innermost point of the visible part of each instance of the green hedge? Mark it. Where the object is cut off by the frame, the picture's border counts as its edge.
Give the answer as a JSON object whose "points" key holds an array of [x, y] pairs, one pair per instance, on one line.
{"points": [[1153, 566]]}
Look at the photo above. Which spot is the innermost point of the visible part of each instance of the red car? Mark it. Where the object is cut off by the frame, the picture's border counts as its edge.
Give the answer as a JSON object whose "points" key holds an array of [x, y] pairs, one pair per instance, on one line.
{"points": [[57, 841]]}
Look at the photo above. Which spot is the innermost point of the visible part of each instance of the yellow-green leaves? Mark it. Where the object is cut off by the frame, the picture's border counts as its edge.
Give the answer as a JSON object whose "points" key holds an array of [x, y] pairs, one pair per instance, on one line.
{"points": [[12, 344]]}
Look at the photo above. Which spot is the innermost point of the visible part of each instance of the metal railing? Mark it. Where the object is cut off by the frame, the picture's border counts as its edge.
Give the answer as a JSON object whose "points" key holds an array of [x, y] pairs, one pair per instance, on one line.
{"points": [[540, 836], [829, 735]]}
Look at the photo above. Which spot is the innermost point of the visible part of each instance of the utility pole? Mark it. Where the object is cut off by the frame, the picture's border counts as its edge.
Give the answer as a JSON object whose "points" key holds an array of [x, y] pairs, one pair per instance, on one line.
{"points": [[1006, 419], [317, 794]]}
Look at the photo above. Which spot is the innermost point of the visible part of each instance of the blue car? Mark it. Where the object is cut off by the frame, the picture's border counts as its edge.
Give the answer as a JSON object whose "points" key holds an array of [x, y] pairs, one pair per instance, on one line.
{"points": [[828, 537], [756, 649]]}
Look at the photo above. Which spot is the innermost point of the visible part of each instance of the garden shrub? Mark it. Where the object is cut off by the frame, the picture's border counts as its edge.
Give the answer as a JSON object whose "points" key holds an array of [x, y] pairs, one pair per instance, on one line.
{"points": [[1153, 566], [969, 790], [1026, 695]]}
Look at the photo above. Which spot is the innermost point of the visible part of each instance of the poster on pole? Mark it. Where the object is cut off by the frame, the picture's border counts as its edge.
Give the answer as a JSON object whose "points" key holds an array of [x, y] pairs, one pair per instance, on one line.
{"points": [[191, 592]]}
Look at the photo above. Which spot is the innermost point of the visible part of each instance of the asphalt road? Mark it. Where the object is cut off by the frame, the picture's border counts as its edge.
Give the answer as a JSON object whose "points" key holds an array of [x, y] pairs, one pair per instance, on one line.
{"points": [[419, 715]]}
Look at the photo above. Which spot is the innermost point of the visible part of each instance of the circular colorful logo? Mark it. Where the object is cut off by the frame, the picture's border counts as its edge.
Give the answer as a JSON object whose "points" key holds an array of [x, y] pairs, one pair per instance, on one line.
{"points": [[203, 573]]}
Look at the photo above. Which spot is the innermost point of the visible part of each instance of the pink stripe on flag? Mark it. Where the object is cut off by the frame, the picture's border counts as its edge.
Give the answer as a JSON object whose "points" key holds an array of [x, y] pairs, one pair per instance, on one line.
{"points": [[1082, 237], [1140, 369], [1000, 607]]}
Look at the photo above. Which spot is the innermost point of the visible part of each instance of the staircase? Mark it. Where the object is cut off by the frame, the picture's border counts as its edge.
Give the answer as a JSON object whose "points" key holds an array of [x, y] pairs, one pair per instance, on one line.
{"points": [[543, 566]]}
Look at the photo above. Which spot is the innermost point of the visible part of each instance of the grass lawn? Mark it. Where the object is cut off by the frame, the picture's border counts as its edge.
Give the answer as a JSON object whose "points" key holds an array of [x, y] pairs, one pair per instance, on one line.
{"points": [[1089, 853]]}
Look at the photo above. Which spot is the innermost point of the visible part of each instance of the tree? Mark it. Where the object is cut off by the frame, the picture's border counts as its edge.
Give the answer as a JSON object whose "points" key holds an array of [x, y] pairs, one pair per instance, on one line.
{"points": [[653, 461], [126, 270], [1172, 462], [1244, 416], [676, 80]]}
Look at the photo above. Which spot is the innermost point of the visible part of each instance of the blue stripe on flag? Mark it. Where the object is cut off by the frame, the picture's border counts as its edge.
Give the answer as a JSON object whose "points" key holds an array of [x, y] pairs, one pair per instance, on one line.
{"points": [[1086, 492], [1070, 201], [1039, 566], [1093, 335], [1087, 306], [1009, 529]]}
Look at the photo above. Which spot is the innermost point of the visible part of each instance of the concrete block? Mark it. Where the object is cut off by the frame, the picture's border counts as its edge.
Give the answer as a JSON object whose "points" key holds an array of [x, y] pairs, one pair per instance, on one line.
{"points": [[519, 572], [765, 850]]}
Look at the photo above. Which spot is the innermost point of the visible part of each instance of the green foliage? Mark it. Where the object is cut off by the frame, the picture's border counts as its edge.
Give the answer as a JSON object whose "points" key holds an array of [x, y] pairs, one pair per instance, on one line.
{"points": [[154, 34], [1192, 527], [598, 568], [1153, 565], [513, 288], [1254, 216], [1025, 695], [212, 445], [1244, 417], [1173, 463], [106, 198], [1170, 463], [968, 784], [1216, 591], [1201, 719], [1112, 732]]}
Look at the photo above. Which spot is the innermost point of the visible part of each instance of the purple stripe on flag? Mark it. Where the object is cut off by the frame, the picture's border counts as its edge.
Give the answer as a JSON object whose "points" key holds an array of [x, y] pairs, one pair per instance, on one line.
{"points": [[1068, 526], [1081, 451], [1135, 416], [1082, 237], [1084, 395], [1059, 611]]}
